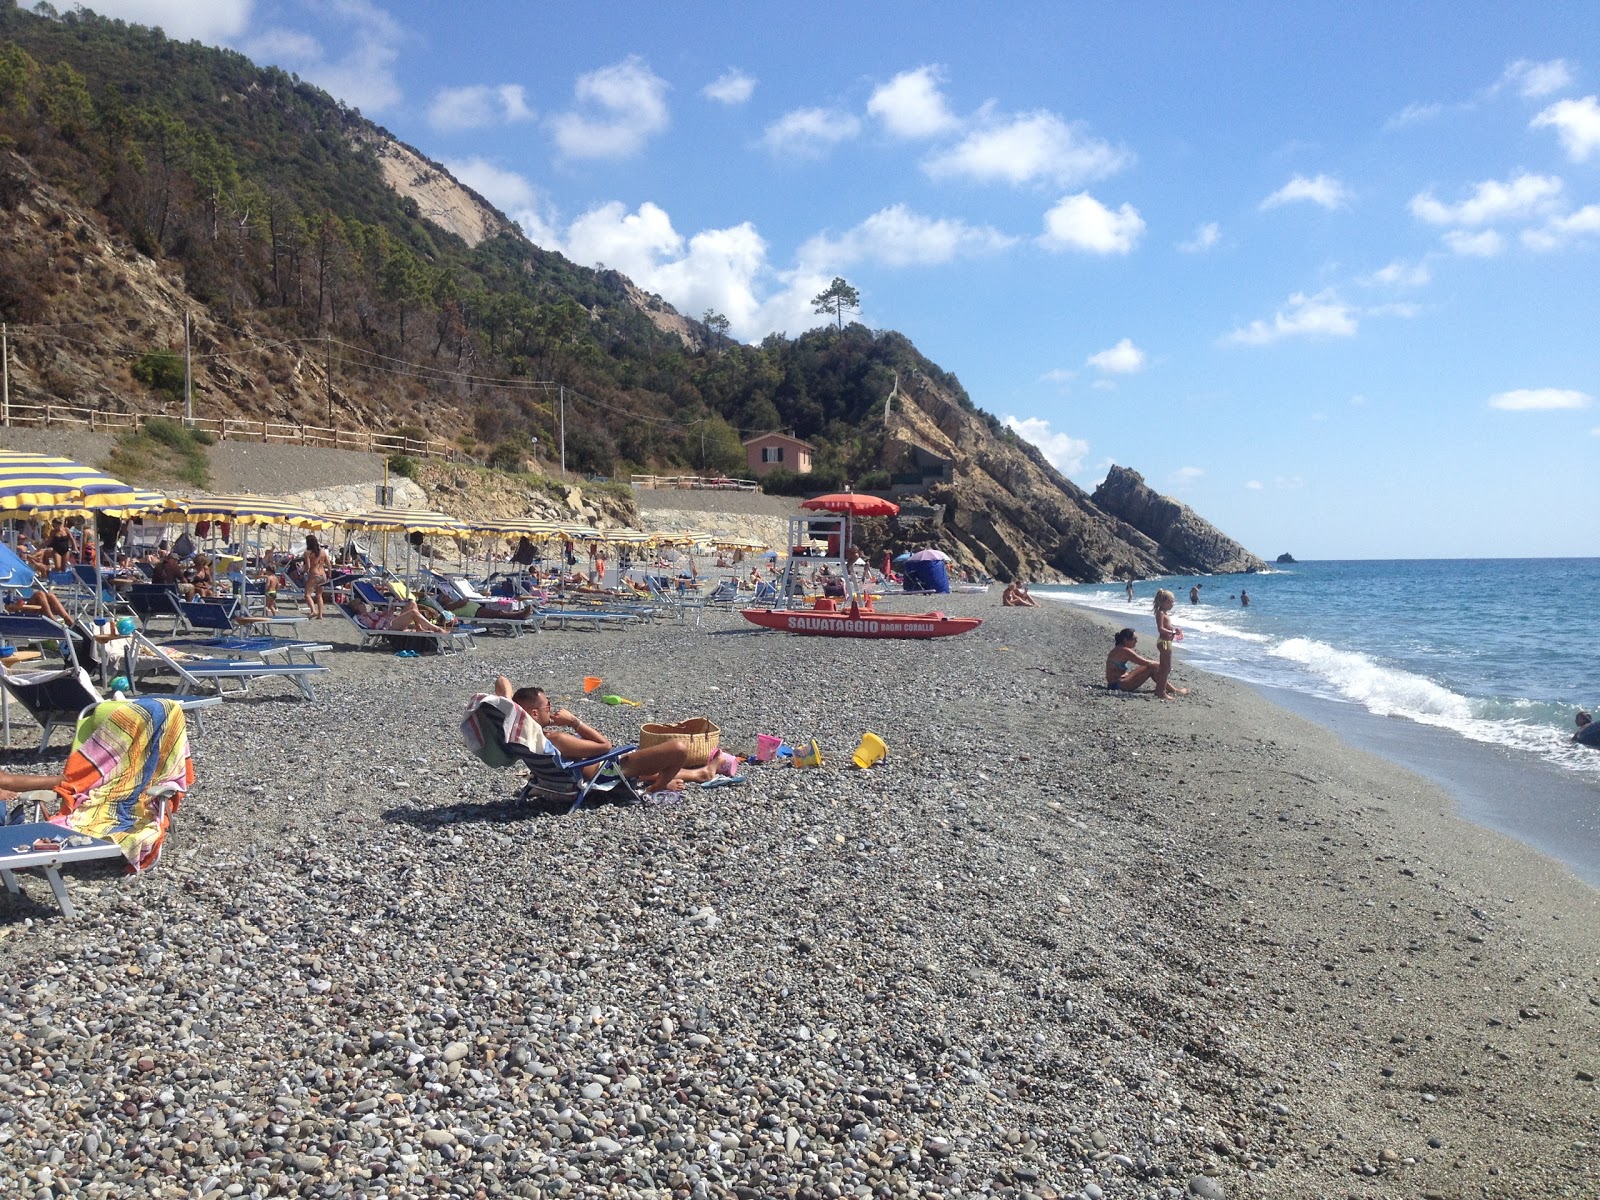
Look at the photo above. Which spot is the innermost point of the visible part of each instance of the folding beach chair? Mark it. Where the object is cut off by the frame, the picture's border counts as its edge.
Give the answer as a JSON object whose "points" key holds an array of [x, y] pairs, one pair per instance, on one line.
{"points": [[457, 637], [128, 771], [93, 586], [146, 657], [152, 602], [501, 733], [232, 633], [462, 590]]}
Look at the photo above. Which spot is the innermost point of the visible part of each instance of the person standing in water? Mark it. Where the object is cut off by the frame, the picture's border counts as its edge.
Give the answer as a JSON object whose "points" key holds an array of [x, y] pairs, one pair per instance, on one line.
{"points": [[1130, 591], [1194, 594], [1244, 598], [1166, 634]]}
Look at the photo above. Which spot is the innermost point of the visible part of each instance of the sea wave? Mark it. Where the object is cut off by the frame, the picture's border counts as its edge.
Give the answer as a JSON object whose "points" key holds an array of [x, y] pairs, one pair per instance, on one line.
{"points": [[1385, 690]]}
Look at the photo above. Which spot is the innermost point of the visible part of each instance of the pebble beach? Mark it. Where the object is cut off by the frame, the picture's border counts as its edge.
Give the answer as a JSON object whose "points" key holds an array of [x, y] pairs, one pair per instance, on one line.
{"points": [[1059, 943]]}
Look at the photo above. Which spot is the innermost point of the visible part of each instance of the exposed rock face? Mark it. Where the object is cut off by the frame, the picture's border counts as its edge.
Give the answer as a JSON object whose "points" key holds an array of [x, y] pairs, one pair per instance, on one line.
{"points": [[1187, 543], [439, 196], [1008, 510], [1285, 557]]}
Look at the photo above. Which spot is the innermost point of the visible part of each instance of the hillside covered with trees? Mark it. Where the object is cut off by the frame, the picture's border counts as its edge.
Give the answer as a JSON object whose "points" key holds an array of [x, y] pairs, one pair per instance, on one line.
{"points": [[321, 292]]}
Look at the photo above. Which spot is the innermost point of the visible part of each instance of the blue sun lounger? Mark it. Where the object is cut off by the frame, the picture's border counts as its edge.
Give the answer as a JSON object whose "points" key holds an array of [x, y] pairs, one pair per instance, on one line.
{"points": [[198, 672], [228, 636]]}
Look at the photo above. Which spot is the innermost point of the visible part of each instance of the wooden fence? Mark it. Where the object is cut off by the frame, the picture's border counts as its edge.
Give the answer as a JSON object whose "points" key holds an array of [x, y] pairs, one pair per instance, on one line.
{"points": [[232, 429], [695, 482]]}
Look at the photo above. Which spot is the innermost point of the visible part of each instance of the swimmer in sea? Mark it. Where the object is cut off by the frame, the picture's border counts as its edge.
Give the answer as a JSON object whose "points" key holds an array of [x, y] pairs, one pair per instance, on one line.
{"points": [[1166, 634]]}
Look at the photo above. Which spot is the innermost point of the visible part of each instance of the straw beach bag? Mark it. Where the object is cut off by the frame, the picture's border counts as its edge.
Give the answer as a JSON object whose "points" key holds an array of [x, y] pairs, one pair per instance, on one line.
{"points": [[700, 735]]}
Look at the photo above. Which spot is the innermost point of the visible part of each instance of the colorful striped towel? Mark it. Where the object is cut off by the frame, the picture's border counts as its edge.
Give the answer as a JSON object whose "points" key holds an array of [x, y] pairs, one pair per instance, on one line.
{"points": [[127, 773], [494, 723]]}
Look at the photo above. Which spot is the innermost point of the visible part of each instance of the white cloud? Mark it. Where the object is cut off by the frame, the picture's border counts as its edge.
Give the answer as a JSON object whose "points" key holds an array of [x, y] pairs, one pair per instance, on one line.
{"points": [[1184, 477], [512, 194], [1063, 452], [809, 132], [911, 105], [1518, 198], [1060, 375], [1535, 79], [1205, 237], [1486, 243], [1558, 231], [898, 237], [1577, 124], [1400, 274], [1254, 485], [1081, 222], [1323, 190], [731, 87], [363, 76], [1322, 315], [627, 105], [477, 106], [213, 22], [1540, 399], [1122, 359], [1036, 147], [1414, 114]]}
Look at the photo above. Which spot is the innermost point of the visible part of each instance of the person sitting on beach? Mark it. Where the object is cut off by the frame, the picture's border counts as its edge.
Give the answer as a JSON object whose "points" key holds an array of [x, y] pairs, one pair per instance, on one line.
{"points": [[1126, 669], [660, 767], [41, 602], [407, 618], [1016, 596], [11, 786]]}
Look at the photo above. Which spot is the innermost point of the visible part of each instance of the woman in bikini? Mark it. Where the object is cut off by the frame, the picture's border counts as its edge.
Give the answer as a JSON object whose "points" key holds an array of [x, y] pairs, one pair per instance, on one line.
{"points": [[1166, 634], [1126, 669], [318, 568]]}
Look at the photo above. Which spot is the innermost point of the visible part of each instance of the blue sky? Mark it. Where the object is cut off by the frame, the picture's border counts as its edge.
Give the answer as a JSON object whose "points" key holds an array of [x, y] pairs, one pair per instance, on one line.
{"points": [[1327, 276]]}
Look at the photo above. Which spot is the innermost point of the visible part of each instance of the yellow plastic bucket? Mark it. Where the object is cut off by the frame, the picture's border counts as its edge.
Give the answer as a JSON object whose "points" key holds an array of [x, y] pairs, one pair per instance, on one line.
{"points": [[809, 755], [870, 751]]}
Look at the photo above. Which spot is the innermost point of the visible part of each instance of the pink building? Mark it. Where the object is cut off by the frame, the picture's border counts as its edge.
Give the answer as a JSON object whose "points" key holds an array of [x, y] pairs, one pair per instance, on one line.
{"points": [[767, 452]]}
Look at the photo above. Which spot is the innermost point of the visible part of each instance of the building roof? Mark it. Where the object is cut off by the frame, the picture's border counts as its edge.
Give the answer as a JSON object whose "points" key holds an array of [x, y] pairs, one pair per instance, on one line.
{"points": [[778, 433]]}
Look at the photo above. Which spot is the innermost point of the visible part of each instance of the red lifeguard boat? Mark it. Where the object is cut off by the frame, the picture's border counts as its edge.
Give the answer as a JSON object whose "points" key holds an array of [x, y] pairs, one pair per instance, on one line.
{"points": [[825, 541]]}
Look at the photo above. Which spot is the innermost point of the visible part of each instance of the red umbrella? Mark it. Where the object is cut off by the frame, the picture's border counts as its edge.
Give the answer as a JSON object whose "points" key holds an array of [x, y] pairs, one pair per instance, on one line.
{"points": [[852, 504]]}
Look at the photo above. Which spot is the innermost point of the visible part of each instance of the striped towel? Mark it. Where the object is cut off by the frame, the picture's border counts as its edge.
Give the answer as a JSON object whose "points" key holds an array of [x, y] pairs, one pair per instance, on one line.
{"points": [[495, 728], [128, 771]]}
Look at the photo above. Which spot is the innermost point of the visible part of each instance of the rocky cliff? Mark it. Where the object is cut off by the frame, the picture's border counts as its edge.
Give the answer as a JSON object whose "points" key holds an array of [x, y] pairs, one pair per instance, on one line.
{"points": [[1009, 512], [1187, 543]]}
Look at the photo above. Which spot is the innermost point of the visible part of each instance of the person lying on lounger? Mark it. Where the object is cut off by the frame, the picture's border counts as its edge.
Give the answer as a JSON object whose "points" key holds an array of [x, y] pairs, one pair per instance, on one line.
{"points": [[659, 768], [407, 618], [41, 602], [11, 785]]}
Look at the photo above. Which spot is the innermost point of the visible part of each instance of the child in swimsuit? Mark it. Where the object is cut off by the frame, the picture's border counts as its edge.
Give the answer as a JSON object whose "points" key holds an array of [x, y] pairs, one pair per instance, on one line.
{"points": [[1166, 634]]}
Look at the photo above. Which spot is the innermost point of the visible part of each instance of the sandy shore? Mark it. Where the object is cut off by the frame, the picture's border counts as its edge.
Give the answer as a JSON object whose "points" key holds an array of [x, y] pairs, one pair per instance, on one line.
{"points": [[1060, 943]]}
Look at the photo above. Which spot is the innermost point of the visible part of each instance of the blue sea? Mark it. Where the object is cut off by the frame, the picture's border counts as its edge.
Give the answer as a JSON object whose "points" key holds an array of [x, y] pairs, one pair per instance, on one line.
{"points": [[1483, 654]]}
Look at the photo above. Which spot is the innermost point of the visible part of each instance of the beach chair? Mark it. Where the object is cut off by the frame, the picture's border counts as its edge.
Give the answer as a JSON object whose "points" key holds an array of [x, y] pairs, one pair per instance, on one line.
{"points": [[462, 590], [501, 733], [93, 587], [127, 772], [227, 630], [152, 602], [456, 638], [147, 658]]}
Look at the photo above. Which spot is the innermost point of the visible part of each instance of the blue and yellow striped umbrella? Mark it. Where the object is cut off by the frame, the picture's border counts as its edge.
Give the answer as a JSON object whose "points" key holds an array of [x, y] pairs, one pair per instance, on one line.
{"points": [[29, 481], [252, 510]]}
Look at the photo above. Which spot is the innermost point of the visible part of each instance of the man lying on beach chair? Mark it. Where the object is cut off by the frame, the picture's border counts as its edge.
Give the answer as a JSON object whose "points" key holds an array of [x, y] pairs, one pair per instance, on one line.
{"points": [[128, 770], [528, 730]]}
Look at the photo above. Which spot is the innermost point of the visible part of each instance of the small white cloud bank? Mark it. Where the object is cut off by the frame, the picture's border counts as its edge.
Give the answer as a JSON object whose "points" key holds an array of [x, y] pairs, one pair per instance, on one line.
{"points": [[1533, 80], [1321, 315], [1577, 125], [898, 237], [1122, 359], [1558, 232], [1521, 197], [362, 76], [1540, 400], [911, 105], [1253, 485], [733, 87], [1485, 243], [1184, 478], [214, 22], [1322, 190], [1399, 274], [1205, 238], [1082, 223], [1028, 148], [1062, 451], [808, 133], [621, 107], [478, 106]]}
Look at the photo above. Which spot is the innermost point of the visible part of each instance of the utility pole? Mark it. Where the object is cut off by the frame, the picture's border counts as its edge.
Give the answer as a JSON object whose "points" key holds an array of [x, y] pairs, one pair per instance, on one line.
{"points": [[5, 377], [562, 392], [327, 370], [188, 390]]}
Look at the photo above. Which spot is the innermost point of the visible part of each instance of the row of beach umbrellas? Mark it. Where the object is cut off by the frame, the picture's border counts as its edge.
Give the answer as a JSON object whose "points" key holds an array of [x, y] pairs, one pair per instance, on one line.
{"points": [[45, 485]]}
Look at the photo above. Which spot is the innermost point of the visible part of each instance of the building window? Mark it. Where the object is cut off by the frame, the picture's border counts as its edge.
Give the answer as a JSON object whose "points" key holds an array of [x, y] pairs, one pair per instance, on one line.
{"points": [[772, 454]]}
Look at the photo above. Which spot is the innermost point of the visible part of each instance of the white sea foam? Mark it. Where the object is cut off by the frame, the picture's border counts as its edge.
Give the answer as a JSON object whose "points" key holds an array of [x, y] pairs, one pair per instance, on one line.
{"points": [[1386, 691]]}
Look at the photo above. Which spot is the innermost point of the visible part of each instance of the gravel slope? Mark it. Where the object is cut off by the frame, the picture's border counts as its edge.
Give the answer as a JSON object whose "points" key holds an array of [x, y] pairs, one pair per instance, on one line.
{"points": [[1060, 943]]}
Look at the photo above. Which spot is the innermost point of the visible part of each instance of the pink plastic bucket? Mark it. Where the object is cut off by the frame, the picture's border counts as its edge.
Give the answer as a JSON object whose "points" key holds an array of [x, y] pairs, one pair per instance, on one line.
{"points": [[766, 747]]}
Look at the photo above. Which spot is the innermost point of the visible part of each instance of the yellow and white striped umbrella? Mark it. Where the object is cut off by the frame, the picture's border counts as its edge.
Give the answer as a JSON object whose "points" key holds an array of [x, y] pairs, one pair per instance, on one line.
{"points": [[531, 527], [251, 510], [409, 520], [736, 543], [144, 504], [30, 481], [669, 537], [625, 537]]}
